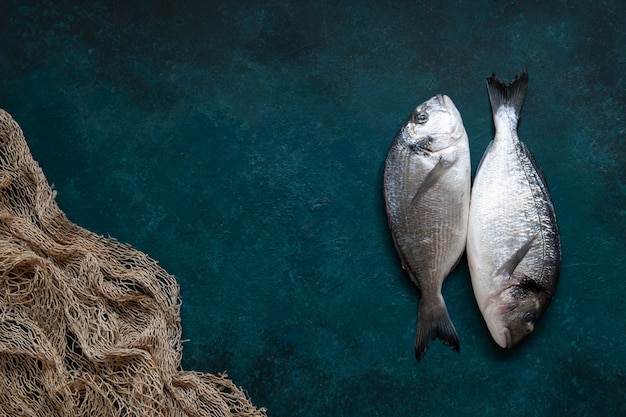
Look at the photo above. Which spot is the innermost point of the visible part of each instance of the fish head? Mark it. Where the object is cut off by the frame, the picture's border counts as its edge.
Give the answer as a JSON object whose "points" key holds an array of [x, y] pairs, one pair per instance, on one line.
{"points": [[512, 314], [434, 125]]}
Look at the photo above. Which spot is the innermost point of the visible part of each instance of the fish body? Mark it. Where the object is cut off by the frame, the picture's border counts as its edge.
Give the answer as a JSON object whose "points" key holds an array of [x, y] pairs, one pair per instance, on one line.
{"points": [[427, 189], [513, 244]]}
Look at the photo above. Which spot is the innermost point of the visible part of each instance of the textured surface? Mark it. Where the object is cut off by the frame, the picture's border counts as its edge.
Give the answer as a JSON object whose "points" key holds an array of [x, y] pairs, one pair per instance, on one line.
{"points": [[241, 144]]}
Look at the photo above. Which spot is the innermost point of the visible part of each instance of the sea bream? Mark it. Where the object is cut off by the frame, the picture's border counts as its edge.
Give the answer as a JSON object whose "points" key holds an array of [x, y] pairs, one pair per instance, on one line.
{"points": [[513, 244], [427, 190]]}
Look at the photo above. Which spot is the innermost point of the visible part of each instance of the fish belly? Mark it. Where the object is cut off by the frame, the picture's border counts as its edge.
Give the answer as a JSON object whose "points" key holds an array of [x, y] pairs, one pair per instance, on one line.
{"points": [[430, 228], [503, 218]]}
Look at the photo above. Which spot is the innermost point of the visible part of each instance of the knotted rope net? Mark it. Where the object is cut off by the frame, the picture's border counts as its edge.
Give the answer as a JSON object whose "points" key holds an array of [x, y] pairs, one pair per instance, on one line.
{"points": [[88, 326]]}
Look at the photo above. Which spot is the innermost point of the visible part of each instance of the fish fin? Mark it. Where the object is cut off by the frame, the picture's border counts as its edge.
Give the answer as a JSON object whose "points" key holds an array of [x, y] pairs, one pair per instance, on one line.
{"points": [[433, 322], [542, 179], [431, 178], [501, 94], [509, 266]]}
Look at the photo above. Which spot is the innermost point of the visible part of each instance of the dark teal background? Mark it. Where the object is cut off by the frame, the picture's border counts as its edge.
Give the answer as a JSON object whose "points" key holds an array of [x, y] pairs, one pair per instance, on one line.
{"points": [[241, 144]]}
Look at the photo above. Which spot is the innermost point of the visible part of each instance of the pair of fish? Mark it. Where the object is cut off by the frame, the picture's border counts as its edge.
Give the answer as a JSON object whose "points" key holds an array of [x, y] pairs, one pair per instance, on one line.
{"points": [[509, 230]]}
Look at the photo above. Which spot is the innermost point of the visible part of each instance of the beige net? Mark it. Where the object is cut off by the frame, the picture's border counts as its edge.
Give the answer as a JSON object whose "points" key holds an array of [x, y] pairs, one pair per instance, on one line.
{"points": [[88, 326]]}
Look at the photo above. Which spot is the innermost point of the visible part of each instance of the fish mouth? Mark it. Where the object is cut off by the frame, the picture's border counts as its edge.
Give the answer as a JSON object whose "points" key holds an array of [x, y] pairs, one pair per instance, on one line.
{"points": [[442, 99], [501, 335], [505, 341], [499, 332], [446, 104]]}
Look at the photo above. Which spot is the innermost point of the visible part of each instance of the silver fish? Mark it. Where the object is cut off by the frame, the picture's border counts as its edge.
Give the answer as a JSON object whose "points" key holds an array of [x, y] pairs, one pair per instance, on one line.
{"points": [[513, 243], [427, 190]]}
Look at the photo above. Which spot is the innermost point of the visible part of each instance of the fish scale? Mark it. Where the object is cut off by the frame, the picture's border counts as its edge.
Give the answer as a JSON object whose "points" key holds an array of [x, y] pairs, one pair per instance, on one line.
{"points": [[513, 244], [427, 189]]}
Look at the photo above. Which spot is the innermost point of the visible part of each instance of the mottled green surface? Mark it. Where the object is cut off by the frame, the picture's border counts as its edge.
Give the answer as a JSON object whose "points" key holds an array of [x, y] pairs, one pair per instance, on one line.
{"points": [[241, 144]]}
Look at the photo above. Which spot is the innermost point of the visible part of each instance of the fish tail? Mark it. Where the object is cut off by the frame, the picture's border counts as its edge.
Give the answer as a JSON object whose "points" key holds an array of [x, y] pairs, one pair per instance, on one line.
{"points": [[512, 95], [434, 322]]}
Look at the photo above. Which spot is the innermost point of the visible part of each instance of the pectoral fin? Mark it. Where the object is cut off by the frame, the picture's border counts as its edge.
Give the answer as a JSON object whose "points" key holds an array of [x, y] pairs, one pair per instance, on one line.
{"points": [[433, 176], [506, 270]]}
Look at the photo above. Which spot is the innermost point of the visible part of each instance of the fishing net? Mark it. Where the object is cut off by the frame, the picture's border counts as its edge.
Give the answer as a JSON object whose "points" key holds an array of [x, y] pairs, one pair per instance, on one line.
{"points": [[88, 326]]}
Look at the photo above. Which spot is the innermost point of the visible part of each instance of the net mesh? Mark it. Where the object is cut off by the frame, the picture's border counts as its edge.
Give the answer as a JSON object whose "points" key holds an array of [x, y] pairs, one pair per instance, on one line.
{"points": [[88, 326]]}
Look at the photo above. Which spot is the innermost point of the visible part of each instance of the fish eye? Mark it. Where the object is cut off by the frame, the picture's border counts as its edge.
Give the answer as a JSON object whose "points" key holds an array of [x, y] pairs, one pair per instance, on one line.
{"points": [[529, 317], [421, 117]]}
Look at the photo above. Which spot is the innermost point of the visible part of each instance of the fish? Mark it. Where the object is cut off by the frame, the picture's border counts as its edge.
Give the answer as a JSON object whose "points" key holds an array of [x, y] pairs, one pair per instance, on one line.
{"points": [[513, 241], [427, 177]]}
